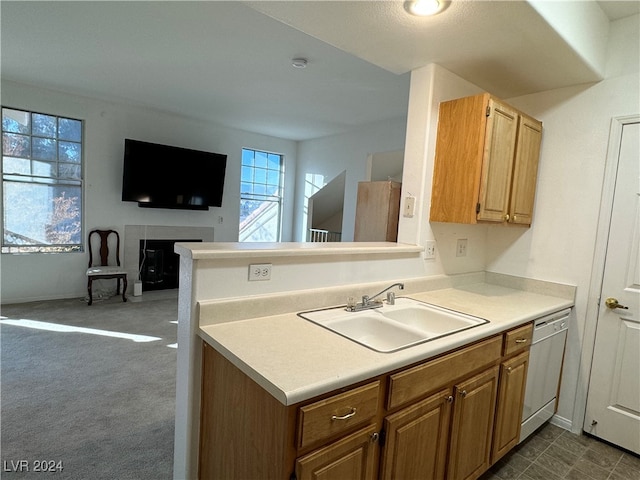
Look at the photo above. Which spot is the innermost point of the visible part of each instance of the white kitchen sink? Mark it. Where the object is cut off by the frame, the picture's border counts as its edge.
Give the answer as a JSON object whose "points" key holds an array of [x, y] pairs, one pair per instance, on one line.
{"points": [[390, 328], [429, 318], [374, 331]]}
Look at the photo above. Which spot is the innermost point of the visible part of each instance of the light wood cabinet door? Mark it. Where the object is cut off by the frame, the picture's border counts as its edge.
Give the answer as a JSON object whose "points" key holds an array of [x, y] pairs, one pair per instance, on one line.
{"points": [[417, 438], [486, 162], [472, 426], [351, 458], [458, 161], [523, 190], [513, 378], [497, 165]]}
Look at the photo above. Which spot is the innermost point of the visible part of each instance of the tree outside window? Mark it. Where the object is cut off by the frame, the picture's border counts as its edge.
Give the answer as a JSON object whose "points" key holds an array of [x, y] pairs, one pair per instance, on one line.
{"points": [[41, 182]]}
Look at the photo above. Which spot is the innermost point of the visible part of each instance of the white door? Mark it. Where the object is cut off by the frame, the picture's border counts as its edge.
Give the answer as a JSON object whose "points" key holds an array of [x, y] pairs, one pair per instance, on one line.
{"points": [[613, 401]]}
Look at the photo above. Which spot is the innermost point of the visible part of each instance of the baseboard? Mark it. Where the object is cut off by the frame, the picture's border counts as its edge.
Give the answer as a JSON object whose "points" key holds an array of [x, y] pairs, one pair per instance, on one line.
{"points": [[561, 422], [44, 298]]}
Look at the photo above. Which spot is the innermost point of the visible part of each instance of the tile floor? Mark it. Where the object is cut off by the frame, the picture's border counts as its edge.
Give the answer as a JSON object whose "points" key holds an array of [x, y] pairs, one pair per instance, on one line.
{"points": [[553, 453]]}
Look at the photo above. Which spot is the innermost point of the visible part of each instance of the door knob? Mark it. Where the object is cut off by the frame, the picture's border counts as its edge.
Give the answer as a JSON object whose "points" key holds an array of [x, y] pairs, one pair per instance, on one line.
{"points": [[612, 303]]}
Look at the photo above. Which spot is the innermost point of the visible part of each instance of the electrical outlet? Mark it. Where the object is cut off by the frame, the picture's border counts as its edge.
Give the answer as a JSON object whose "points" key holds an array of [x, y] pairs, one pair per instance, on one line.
{"points": [[461, 247], [259, 271], [430, 250]]}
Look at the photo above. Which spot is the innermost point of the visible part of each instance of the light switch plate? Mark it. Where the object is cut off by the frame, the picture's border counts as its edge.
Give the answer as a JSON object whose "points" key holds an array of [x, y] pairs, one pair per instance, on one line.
{"points": [[409, 206]]}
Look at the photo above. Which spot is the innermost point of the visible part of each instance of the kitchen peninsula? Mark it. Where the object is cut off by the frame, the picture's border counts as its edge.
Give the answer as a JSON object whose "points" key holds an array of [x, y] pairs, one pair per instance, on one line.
{"points": [[252, 329]]}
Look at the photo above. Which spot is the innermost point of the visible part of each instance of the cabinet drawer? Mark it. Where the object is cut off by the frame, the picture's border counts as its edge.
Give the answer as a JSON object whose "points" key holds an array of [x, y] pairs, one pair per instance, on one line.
{"points": [[422, 379], [517, 339], [337, 414]]}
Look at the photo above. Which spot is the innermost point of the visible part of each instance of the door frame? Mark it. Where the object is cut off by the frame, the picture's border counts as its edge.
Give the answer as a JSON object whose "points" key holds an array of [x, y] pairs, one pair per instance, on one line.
{"points": [[597, 268]]}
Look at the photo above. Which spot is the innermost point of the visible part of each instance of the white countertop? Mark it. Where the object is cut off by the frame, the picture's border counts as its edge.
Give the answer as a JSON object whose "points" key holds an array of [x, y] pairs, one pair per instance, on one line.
{"points": [[295, 360], [211, 250]]}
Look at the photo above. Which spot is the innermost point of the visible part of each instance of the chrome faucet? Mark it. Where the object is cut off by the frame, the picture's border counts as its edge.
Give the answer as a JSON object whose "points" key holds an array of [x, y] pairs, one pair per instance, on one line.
{"points": [[371, 302]]}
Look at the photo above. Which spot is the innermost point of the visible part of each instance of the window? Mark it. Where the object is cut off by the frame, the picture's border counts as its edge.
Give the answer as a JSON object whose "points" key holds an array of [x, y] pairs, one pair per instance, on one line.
{"points": [[261, 180], [41, 182]]}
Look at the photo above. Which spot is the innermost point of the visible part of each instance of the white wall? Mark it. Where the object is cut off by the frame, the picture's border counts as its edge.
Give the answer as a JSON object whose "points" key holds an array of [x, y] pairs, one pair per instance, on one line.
{"points": [[560, 246], [41, 276], [330, 156], [431, 85]]}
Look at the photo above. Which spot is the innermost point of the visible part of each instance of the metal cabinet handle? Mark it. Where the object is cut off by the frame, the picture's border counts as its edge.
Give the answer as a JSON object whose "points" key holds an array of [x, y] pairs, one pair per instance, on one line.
{"points": [[374, 437], [463, 393], [509, 369], [448, 399], [506, 217], [345, 417], [521, 340], [612, 303]]}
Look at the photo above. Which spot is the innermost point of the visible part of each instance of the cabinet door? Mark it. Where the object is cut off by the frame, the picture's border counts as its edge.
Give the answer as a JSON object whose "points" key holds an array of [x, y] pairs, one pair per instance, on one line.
{"points": [[513, 378], [525, 170], [458, 161], [352, 458], [472, 427], [497, 165], [417, 438]]}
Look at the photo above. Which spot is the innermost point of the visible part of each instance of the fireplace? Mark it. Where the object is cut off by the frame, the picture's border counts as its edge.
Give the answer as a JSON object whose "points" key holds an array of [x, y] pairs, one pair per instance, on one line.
{"points": [[159, 265], [133, 234]]}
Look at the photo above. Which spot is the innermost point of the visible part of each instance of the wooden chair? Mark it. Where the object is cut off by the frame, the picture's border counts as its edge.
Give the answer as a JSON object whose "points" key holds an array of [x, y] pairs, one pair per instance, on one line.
{"points": [[102, 270]]}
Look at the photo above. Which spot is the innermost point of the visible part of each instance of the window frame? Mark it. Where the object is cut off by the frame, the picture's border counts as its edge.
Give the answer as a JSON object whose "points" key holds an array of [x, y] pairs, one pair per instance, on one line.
{"points": [[279, 198], [53, 181]]}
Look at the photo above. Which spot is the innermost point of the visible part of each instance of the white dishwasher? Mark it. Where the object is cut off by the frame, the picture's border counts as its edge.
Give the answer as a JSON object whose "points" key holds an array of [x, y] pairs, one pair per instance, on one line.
{"points": [[545, 365]]}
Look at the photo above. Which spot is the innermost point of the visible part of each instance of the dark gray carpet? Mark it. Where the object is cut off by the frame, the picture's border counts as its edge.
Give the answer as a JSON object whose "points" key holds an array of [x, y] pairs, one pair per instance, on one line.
{"points": [[102, 406]]}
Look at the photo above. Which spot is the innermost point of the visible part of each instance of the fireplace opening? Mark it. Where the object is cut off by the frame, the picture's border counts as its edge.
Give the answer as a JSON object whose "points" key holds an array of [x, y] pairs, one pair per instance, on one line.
{"points": [[159, 265]]}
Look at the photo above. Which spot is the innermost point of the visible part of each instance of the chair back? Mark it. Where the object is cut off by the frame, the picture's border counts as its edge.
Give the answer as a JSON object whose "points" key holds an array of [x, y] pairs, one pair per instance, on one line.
{"points": [[104, 251]]}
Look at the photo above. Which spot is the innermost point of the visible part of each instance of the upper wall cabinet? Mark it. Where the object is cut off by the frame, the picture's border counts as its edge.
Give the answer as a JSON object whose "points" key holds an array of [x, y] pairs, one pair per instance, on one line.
{"points": [[486, 162]]}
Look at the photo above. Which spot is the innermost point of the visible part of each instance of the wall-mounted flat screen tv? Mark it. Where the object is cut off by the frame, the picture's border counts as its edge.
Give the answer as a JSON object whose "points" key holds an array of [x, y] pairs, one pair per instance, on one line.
{"points": [[163, 176]]}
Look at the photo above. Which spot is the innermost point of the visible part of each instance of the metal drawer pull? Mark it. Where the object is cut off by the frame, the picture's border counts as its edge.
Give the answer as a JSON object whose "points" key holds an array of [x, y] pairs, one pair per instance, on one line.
{"points": [[463, 393], [345, 417], [448, 398], [521, 340]]}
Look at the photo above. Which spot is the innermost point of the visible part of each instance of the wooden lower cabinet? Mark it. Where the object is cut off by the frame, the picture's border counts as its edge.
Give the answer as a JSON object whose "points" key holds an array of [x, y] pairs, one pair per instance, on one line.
{"points": [[416, 439], [513, 379], [352, 457], [449, 418], [472, 426]]}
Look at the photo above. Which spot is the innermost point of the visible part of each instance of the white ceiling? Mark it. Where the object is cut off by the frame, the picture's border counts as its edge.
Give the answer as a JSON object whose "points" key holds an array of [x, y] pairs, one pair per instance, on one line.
{"points": [[230, 62]]}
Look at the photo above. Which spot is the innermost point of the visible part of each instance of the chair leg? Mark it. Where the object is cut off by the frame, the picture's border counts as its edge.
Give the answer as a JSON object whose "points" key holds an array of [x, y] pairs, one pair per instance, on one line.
{"points": [[124, 288], [89, 285]]}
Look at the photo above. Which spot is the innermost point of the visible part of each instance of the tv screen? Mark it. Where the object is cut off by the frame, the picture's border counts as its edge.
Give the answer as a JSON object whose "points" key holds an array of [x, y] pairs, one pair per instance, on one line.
{"points": [[163, 176]]}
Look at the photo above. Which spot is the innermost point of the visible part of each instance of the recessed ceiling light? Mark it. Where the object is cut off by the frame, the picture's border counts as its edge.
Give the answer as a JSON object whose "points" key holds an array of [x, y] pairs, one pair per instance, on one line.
{"points": [[299, 62], [423, 8]]}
